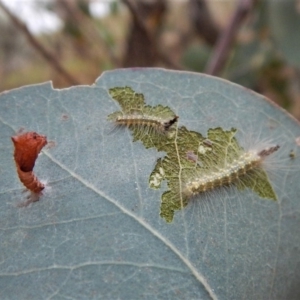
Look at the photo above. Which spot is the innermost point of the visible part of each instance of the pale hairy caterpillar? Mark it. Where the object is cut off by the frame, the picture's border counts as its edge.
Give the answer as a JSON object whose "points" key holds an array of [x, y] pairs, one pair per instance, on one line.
{"points": [[27, 147], [232, 172], [150, 122], [146, 122], [154, 122], [201, 168]]}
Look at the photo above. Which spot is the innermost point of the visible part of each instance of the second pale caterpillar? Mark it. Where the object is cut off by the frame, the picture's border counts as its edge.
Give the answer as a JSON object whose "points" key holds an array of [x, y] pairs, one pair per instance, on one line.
{"points": [[209, 166], [239, 167]]}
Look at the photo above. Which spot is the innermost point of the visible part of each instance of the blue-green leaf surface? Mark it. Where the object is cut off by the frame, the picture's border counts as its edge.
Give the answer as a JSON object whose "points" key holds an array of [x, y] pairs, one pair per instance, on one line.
{"points": [[97, 231]]}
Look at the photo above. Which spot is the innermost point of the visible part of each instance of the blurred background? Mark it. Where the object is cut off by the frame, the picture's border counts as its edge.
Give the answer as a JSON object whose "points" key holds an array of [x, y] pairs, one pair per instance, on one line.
{"points": [[255, 43]]}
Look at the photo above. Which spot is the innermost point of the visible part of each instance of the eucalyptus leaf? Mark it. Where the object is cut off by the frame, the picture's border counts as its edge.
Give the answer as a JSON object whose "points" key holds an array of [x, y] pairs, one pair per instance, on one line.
{"points": [[97, 230]]}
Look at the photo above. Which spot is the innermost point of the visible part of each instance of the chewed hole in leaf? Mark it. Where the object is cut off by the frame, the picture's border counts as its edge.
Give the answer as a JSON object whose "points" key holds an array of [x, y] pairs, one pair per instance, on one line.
{"points": [[193, 164], [222, 163], [150, 124]]}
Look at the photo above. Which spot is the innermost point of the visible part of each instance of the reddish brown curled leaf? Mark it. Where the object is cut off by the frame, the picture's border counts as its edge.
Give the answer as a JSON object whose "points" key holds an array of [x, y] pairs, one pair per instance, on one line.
{"points": [[27, 148]]}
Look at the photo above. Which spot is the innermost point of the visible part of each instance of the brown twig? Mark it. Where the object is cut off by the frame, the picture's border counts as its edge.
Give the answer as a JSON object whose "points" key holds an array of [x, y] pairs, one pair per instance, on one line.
{"points": [[48, 56], [202, 21], [163, 57], [226, 39], [88, 28]]}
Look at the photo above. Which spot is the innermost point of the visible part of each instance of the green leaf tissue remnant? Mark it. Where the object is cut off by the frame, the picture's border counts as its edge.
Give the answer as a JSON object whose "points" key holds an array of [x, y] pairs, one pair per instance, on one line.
{"points": [[189, 154]]}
